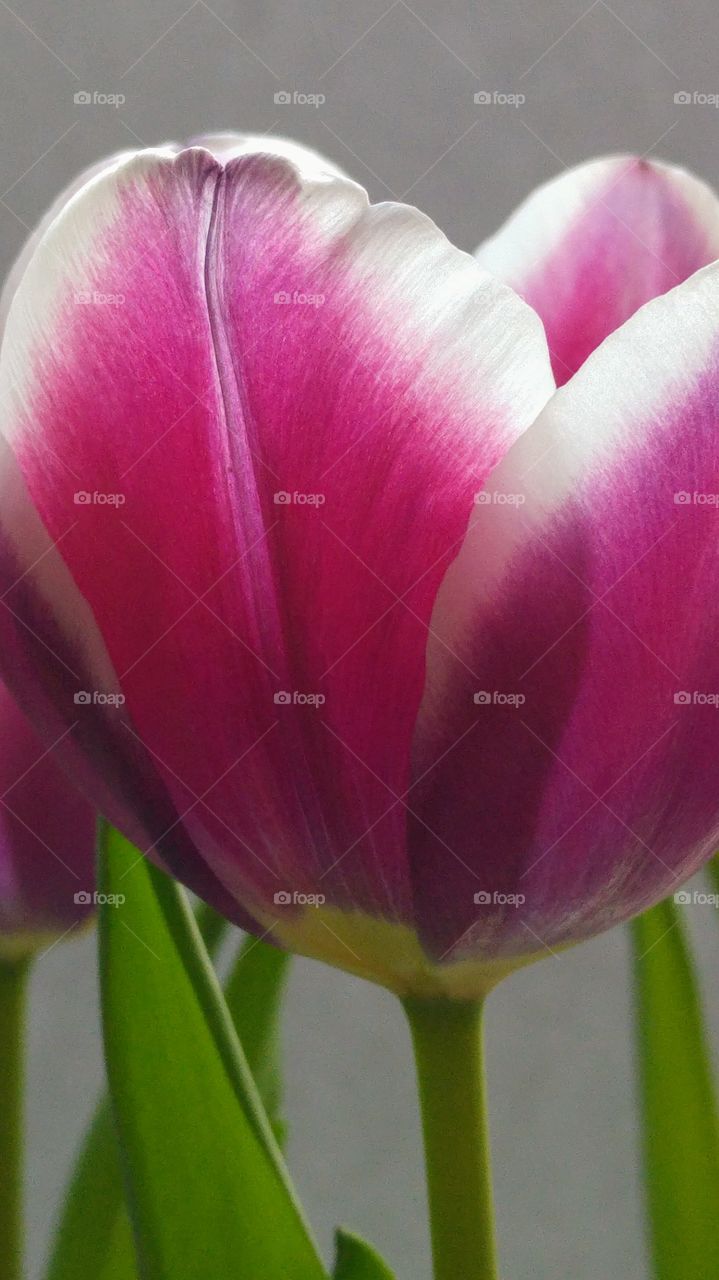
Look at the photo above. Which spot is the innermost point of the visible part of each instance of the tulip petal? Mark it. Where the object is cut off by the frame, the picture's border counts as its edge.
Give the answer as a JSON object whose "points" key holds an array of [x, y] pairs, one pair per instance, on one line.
{"points": [[47, 837], [278, 402], [63, 680], [222, 145], [582, 615], [17, 270], [589, 247]]}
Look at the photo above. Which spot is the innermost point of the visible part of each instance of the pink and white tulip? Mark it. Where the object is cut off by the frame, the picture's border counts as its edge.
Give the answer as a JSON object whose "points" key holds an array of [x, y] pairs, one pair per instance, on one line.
{"points": [[361, 605]]}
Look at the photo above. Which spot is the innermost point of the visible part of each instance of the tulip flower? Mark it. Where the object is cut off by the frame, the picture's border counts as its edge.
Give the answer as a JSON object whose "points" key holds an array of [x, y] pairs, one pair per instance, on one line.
{"points": [[365, 630], [368, 586]]}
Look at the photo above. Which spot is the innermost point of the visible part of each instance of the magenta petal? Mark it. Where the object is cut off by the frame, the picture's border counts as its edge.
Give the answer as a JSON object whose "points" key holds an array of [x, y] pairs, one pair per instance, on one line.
{"points": [[290, 398], [583, 610], [55, 658], [588, 248]]}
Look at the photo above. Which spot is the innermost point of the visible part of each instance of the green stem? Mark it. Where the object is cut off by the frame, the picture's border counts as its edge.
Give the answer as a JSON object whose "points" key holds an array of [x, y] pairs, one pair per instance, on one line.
{"points": [[13, 978], [448, 1048]]}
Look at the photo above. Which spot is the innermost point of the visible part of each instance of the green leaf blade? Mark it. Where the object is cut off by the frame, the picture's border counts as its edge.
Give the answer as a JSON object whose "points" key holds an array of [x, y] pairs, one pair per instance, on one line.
{"points": [[678, 1102], [94, 1241], [207, 1190], [357, 1260], [254, 991]]}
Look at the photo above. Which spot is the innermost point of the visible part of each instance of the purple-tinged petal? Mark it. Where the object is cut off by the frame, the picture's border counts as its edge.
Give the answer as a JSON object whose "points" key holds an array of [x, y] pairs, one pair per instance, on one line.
{"points": [[47, 839], [224, 146], [229, 146], [587, 249], [583, 612], [279, 402]]}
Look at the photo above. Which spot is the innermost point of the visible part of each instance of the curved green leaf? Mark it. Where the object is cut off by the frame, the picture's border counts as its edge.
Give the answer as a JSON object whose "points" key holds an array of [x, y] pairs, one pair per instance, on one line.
{"points": [[212, 926], [254, 992], [679, 1112], [357, 1260], [207, 1189], [94, 1240]]}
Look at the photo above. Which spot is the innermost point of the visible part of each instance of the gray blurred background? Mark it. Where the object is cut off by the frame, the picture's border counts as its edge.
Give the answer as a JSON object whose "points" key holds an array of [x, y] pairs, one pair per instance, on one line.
{"points": [[399, 114]]}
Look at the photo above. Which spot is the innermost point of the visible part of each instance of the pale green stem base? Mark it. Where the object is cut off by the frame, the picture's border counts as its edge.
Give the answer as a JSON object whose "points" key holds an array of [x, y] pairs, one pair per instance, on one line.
{"points": [[448, 1047], [13, 981]]}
